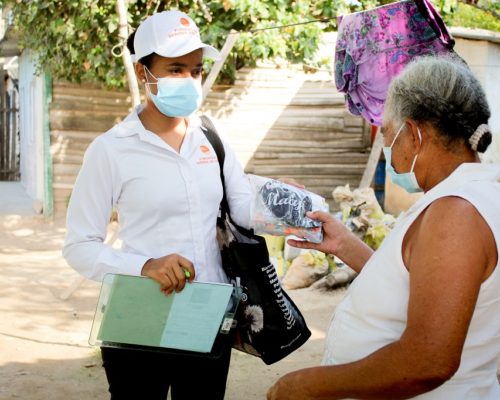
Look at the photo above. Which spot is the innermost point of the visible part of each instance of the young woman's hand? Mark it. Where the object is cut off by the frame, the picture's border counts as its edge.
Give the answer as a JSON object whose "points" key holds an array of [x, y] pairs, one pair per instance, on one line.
{"points": [[291, 182], [171, 272]]}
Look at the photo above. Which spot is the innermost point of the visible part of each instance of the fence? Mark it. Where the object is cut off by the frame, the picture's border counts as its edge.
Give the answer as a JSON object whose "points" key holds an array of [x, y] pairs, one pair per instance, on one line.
{"points": [[9, 128]]}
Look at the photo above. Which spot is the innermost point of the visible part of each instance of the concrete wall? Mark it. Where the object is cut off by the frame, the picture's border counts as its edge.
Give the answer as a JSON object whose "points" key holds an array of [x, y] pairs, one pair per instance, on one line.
{"points": [[484, 59]]}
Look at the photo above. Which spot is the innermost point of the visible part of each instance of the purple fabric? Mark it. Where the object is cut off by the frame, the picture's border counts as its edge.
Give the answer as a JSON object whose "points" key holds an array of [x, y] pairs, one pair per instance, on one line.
{"points": [[436, 22], [374, 46]]}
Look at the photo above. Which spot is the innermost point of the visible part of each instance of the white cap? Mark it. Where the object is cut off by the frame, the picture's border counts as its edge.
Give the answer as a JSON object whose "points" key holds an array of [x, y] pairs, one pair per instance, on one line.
{"points": [[169, 34]]}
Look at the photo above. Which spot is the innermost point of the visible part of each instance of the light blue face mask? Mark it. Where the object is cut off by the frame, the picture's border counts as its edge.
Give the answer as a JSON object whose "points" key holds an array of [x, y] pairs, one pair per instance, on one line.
{"points": [[176, 97], [407, 180]]}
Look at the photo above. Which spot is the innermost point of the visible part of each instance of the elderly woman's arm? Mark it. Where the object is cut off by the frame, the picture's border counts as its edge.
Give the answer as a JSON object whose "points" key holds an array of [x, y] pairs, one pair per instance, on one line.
{"points": [[449, 252], [337, 240]]}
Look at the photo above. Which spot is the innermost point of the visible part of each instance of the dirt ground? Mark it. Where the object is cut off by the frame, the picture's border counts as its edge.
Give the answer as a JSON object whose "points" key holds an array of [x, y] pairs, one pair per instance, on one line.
{"points": [[44, 353], [44, 350]]}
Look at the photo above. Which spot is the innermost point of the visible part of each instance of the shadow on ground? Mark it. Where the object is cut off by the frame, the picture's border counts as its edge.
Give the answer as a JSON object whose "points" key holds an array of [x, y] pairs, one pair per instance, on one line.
{"points": [[54, 380]]}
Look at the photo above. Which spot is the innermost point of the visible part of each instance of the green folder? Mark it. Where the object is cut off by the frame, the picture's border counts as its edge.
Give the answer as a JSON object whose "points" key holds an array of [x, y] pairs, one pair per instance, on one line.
{"points": [[132, 311]]}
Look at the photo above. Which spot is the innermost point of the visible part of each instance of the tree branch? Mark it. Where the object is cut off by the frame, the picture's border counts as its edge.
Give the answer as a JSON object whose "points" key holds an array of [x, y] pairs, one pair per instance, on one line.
{"points": [[121, 8]]}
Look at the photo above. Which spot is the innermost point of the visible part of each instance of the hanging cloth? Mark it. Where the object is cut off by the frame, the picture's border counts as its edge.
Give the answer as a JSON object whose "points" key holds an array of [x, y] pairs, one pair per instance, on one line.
{"points": [[374, 46]]}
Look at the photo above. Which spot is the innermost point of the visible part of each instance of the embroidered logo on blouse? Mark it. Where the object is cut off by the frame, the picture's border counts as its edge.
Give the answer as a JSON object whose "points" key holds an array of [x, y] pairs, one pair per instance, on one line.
{"points": [[207, 157], [204, 149]]}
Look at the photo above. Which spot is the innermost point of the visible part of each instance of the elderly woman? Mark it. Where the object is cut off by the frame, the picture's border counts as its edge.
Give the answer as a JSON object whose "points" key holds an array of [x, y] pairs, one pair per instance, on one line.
{"points": [[422, 320]]}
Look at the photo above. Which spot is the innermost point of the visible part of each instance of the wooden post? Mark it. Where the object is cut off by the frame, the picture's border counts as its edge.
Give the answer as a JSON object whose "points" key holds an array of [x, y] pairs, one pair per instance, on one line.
{"points": [[121, 9], [371, 165], [226, 49]]}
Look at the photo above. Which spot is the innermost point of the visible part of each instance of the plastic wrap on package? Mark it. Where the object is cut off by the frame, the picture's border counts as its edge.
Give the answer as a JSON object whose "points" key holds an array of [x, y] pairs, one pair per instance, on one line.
{"points": [[280, 209]]}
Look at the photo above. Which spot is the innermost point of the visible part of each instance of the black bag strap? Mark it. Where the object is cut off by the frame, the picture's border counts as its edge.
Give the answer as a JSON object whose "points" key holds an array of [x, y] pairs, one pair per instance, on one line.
{"points": [[214, 139]]}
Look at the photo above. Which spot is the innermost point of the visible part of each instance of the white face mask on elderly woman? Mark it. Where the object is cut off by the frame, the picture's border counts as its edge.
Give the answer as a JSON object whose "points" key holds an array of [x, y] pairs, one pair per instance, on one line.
{"points": [[408, 180]]}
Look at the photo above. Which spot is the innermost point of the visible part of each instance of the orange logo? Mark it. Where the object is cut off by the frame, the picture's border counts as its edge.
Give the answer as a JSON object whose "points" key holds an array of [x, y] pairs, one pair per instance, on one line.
{"points": [[204, 149], [184, 22]]}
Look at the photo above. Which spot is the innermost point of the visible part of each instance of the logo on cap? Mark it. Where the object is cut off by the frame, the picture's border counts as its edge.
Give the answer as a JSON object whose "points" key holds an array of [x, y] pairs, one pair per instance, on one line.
{"points": [[184, 21]]}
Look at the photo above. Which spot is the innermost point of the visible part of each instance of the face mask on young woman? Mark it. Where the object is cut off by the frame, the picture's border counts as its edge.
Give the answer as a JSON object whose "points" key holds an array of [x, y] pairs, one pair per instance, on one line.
{"points": [[408, 180], [175, 97]]}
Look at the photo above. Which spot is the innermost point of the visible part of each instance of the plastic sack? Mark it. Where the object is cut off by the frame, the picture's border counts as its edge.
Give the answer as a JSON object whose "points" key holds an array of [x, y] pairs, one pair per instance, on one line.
{"points": [[305, 270], [280, 209], [362, 214]]}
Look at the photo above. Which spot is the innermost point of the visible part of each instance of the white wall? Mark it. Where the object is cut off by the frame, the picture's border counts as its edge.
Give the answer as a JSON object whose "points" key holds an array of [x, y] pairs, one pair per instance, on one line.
{"points": [[484, 59], [31, 97]]}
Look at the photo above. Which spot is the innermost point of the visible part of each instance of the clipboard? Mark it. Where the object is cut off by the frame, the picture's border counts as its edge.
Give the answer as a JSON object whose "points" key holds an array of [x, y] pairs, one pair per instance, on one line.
{"points": [[133, 313]]}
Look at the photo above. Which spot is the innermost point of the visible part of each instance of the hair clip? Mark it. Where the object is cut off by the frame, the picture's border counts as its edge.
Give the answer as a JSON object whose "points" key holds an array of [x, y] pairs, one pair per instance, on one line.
{"points": [[477, 135]]}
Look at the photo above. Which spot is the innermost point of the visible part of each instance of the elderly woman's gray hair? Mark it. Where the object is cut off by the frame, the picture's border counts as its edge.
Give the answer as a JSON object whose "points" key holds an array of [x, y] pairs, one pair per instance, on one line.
{"points": [[444, 92]]}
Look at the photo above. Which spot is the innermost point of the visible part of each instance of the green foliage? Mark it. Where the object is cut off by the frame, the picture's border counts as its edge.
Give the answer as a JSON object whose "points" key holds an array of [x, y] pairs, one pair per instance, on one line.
{"points": [[74, 38], [471, 17], [447, 7]]}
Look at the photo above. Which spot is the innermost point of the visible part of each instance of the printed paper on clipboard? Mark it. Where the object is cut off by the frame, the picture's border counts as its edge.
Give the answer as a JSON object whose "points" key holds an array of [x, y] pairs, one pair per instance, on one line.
{"points": [[133, 311]]}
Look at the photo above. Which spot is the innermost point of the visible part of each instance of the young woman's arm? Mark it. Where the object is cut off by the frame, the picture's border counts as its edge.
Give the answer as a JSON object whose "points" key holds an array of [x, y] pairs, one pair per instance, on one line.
{"points": [[89, 211], [238, 190]]}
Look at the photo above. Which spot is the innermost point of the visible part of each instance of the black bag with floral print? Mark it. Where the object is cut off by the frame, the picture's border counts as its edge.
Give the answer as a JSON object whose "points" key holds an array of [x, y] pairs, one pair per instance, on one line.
{"points": [[269, 324]]}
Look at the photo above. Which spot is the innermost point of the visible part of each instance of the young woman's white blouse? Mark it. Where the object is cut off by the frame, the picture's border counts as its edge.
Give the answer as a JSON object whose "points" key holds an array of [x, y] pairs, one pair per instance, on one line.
{"points": [[167, 202]]}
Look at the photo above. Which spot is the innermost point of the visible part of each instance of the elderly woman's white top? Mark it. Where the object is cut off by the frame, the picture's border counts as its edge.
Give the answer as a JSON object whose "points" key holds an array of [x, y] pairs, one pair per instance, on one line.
{"points": [[374, 311]]}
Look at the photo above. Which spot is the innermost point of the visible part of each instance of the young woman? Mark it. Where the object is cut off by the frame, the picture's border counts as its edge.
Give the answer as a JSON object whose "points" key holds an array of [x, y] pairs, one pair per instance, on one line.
{"points": [[159, 171]]}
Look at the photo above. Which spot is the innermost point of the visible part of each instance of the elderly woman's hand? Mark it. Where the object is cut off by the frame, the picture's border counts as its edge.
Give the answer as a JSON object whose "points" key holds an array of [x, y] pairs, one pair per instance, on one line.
{"points": [[334, 234], [337, 240]]}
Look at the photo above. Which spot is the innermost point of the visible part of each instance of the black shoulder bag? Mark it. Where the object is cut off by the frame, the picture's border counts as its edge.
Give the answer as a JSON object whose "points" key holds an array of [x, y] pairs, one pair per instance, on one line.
{"points": [[269, 324]]}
